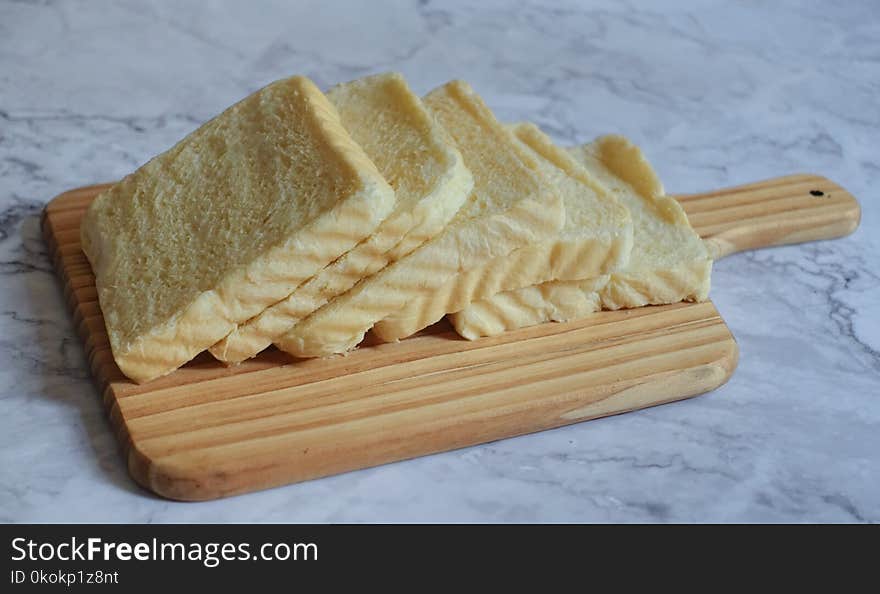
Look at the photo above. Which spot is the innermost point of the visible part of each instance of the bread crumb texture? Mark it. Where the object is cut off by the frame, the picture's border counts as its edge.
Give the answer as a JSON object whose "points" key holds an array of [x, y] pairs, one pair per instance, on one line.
{"points": [[226, 222], [430, 181], [510, 206]]}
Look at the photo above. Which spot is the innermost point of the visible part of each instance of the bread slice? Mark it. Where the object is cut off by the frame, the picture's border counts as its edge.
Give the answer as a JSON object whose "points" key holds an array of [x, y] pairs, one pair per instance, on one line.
{"points": [[510, 206], [431, 183], [227, 222], [669, 262], [597, 238]]}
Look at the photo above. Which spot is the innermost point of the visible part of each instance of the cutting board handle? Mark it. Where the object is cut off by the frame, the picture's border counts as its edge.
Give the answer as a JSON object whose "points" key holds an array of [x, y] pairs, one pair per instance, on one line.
{"points": [[778, 211]]}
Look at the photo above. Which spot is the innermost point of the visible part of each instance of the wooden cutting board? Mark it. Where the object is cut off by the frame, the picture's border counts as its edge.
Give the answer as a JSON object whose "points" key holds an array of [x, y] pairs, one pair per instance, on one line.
{"points": [[208, 431]]}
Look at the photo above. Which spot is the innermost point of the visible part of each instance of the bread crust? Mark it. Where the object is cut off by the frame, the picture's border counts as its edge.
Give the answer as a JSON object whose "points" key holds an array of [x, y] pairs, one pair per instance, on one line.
{"points": [[686, 277], [596, 239]]}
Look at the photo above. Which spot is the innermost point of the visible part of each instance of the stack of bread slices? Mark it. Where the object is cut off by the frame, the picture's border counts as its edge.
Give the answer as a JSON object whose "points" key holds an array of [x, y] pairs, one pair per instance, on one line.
{"points": [[305, 219]]}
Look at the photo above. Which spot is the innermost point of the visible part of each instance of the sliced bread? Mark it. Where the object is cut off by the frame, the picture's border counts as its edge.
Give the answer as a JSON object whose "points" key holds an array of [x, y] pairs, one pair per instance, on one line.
{"points": [[430, 181], [669, 262], [597, 238], [227, 222], [511, 206]]}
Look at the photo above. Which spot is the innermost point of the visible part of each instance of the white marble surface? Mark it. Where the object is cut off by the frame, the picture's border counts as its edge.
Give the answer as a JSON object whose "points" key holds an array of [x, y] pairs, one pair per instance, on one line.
{"points": [[717, 93]]}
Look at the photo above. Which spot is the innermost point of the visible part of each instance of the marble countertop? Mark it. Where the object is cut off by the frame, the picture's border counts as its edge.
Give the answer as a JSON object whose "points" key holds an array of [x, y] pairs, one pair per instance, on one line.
{"points": [[717, 93]]}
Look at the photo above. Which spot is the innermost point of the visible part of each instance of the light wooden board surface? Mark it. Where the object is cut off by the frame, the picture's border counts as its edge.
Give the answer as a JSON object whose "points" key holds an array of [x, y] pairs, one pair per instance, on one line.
{"points": [[208, 431]]}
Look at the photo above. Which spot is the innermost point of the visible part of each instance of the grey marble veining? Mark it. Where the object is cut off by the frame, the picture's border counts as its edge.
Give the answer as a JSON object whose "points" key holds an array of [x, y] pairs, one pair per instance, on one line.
{"points": [[717, 93]]}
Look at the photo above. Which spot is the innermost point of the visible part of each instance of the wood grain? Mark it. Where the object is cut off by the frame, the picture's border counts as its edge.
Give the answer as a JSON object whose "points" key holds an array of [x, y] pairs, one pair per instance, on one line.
{"points": [[778, 211], [208, 431]]}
